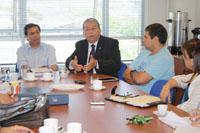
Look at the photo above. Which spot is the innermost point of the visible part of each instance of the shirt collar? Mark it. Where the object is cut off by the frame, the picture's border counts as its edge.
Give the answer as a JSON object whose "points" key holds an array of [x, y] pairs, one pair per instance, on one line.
{"points": [[29, 46], [93, 43]]}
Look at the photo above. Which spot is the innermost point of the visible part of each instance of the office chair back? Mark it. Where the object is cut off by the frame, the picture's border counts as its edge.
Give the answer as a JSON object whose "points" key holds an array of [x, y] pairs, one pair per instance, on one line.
{"points": [[157, 88], [121, 71]]}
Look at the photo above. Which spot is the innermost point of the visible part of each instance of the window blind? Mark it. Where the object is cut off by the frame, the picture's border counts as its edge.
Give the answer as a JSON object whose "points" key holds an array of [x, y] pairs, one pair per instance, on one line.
{"points": [[61, 24]]}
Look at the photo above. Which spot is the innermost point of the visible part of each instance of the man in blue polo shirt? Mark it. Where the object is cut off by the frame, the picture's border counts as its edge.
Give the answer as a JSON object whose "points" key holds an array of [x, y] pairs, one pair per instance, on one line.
{"points": [[154, 62]]}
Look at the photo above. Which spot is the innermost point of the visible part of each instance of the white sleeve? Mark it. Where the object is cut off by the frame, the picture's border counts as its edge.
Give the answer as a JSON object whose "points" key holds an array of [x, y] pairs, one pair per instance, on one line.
{"points": [[193, 101], [182, 80]]}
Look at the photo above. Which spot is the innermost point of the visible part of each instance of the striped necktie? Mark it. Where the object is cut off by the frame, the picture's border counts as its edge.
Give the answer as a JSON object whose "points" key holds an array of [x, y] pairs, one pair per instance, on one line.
{"points": [[92, 51]]}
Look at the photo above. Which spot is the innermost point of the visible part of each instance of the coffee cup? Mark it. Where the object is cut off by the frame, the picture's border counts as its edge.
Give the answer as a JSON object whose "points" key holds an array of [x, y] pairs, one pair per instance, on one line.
{"points": [[97, 84], [162, 109], [52, 122], [30, 76], [46, 129], [74, 127], [47, 75]]}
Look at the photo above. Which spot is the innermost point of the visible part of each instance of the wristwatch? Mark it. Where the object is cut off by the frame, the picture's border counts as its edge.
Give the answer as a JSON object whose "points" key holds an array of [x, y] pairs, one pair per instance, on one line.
{"points": [[132, 71]]}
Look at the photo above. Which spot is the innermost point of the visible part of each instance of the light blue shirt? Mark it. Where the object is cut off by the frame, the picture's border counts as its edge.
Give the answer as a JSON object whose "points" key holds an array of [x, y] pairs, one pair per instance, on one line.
{"points": [[159, 66], [44, 55]]}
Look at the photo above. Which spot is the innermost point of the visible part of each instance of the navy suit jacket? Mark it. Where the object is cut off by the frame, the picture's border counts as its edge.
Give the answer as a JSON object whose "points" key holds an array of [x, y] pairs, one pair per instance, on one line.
{"points": [[107, 54]]}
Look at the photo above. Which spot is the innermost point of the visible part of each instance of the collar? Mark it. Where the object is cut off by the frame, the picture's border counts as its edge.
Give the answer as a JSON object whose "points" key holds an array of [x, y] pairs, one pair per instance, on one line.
{"points": [[93, 43], [29, 46]]}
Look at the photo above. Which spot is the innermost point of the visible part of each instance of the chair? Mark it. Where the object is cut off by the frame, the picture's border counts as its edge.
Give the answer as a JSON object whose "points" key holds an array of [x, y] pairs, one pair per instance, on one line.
{"points": [[121, 71], [157, 88]]}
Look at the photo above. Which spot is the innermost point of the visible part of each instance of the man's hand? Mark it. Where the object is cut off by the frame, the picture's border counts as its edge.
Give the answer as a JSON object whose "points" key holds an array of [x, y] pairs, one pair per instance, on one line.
{"points": [[6, 99], [75, 65], [92, 64], [54, 67]]}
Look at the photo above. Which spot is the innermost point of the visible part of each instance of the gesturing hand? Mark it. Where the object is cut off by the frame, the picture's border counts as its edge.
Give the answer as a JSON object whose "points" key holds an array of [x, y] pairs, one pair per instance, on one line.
{"points": [[91, 64], [75, 65]]}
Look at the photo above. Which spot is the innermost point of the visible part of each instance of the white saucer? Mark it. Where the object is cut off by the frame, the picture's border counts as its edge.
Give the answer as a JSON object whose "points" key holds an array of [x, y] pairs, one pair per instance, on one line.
{"points": [[50, 79], [103, 87], [34, 79], [159, 115]]}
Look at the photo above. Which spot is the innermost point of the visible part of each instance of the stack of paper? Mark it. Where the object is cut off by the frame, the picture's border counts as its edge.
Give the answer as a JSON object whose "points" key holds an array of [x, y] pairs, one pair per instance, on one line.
{"points": [[174, 121]]}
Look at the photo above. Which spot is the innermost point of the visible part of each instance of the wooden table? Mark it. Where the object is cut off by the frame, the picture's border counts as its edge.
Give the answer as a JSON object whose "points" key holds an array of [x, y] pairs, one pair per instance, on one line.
{"points": [[108, 118]]}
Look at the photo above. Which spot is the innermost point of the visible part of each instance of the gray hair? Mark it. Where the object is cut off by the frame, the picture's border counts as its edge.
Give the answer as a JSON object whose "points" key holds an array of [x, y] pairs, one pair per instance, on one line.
{"points": [[91, 20]]}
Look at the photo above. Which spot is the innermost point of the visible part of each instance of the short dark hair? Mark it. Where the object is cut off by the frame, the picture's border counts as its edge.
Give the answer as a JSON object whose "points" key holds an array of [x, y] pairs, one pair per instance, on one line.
{"points": [[91, 20], [28, 26], [158, 30]]}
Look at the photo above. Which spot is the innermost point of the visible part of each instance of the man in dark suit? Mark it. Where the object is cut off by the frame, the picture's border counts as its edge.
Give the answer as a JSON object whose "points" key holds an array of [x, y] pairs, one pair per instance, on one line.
{"points": [[96, 53]]}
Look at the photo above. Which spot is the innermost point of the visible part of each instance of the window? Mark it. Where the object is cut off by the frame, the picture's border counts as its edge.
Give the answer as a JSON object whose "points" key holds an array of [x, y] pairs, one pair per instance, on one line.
{"points": [[61, 24]]}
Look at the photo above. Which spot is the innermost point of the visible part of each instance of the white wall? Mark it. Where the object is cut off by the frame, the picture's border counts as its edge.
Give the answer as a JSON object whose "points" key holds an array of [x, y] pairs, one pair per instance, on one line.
{"points": [[157, 11], [197, 13]]}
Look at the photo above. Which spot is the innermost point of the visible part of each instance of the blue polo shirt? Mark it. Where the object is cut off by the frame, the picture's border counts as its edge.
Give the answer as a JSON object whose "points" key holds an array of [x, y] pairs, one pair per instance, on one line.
{"points": [[159, 66]]}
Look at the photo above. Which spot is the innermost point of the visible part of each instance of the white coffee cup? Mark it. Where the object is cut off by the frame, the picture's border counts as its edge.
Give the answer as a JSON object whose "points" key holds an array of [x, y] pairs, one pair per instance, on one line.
{"points": [[46, 129], [47, 75], [52, 122], [162, 109], [74, 127], [30, 76], [97, 84]]}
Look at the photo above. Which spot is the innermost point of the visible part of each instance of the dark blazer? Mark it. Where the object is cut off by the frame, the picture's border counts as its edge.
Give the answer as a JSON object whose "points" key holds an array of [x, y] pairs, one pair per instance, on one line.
{"points": [[107, 54]]}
